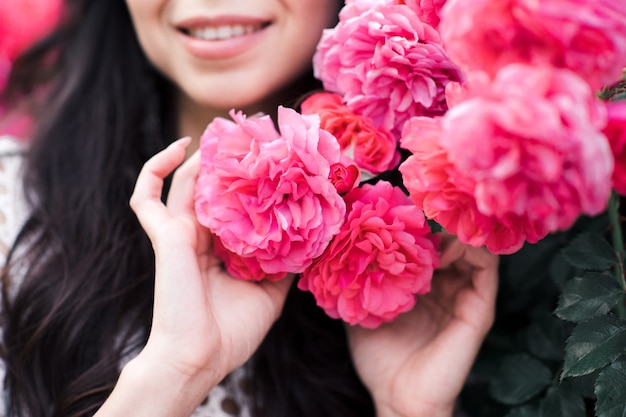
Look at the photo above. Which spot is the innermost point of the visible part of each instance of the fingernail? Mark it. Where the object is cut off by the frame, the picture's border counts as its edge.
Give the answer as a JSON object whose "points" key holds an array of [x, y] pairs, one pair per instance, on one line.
{"points": [[184, 142]]}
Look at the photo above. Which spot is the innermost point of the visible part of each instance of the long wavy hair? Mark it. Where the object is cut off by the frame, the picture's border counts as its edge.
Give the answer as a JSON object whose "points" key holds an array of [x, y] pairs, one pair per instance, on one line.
{"points": [[77, 289]]}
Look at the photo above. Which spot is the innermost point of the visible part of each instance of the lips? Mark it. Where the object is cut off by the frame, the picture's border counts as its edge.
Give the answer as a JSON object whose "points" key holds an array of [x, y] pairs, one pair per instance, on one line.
{"points": [[223, 32], [221, 38]]}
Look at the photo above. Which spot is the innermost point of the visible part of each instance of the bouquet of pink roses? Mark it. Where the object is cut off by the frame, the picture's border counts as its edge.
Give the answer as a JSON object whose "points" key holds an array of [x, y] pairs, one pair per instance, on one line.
{"points": [[495, 109], [287, 201]]}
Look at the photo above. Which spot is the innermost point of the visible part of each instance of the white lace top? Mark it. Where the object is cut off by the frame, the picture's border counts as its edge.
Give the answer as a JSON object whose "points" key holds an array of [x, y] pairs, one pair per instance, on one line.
{"points": [[225, 400]]}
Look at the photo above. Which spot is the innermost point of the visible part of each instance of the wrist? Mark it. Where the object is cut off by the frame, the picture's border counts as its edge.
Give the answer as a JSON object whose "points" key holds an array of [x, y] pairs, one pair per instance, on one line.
{"points": [[423, 410], [151, 386]]}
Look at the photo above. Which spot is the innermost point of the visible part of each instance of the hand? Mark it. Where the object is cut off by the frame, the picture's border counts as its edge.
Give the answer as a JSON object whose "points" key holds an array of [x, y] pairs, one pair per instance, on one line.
{"points": [[418, 364], [205, 322]]}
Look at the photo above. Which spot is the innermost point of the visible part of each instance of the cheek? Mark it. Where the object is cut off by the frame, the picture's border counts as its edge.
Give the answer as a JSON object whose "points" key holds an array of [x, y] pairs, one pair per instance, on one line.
{"points": [[313, 16], [323, 13], [146, 18]]}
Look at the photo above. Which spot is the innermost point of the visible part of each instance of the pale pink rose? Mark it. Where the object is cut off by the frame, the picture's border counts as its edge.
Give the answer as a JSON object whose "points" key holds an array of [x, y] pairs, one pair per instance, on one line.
{"points": [[383, 256], [586, 36], [267, 194], [447, 196], [615, 131], [527, 147], [373, 149], [387, 64]]}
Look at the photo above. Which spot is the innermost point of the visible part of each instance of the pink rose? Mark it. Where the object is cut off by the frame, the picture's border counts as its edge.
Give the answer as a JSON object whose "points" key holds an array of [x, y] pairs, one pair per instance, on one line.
{"points": [[586, 36], [344, 177], [383, 256], [537, 154], [372, 149], [24, 22], [447, 196], [386, 63], [5, 69], [267, 195], [355, 8], [429, 11], [15, 124], [615, 131], [247, 268]]}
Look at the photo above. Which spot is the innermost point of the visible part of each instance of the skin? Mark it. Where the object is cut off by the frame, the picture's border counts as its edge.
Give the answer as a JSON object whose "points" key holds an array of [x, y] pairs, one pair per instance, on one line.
{"points": [[249, 81], [207, 324]]}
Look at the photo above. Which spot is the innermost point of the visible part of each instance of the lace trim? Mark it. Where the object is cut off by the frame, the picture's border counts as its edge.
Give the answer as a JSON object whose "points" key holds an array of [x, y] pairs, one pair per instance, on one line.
{"points": [[12, 207]]}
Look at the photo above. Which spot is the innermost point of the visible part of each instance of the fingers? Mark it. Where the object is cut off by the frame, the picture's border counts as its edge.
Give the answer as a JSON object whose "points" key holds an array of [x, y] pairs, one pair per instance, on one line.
{"points": [[485, 276], [146, 199], [476, 302], [277, 290], [476, 280], [181, 195], [451, 251]]}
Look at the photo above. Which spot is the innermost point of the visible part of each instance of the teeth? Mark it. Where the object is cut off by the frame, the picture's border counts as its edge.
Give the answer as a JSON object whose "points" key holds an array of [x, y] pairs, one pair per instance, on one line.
{"points": [[223, 32]]}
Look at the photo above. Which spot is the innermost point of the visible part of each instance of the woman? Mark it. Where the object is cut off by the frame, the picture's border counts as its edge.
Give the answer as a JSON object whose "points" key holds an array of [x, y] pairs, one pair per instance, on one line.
{"points": [[80, 298]]}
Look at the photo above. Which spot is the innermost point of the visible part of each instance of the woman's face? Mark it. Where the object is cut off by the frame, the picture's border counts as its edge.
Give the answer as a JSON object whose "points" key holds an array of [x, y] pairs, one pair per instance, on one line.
{"points": [[226, 54]]}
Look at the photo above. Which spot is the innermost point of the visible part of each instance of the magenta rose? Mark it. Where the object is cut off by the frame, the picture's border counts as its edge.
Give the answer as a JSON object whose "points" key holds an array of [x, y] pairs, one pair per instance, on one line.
{"points": [[615, 131], [386, 63], [267, 195], [538, 158], [374, 150], [586, 36], [383, 256], [429, 11]]}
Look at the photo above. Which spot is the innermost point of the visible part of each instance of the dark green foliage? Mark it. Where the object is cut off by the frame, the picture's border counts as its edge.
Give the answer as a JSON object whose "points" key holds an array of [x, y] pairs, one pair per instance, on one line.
{"points": [[558, 347], [611, 390]]}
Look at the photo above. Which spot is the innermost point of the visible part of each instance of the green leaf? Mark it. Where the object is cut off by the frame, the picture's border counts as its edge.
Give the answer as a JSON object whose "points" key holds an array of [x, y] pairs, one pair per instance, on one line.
{"points": [[619, 96], [593, 345], [610, 391], [591, 295], [560, 270], [561, 402], [524, 411], [434, 226], [590, 251], [476, 401], [583, 385], [520, 378], [546, 338], [527, 268]]}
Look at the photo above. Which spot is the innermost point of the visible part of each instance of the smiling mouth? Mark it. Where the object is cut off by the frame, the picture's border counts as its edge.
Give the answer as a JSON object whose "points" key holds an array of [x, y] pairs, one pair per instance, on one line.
{"points": [[223, 32]]}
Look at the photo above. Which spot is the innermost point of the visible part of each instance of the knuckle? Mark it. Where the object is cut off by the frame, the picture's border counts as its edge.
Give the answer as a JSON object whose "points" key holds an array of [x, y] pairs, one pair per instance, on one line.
{"points": [[135, 202]]}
